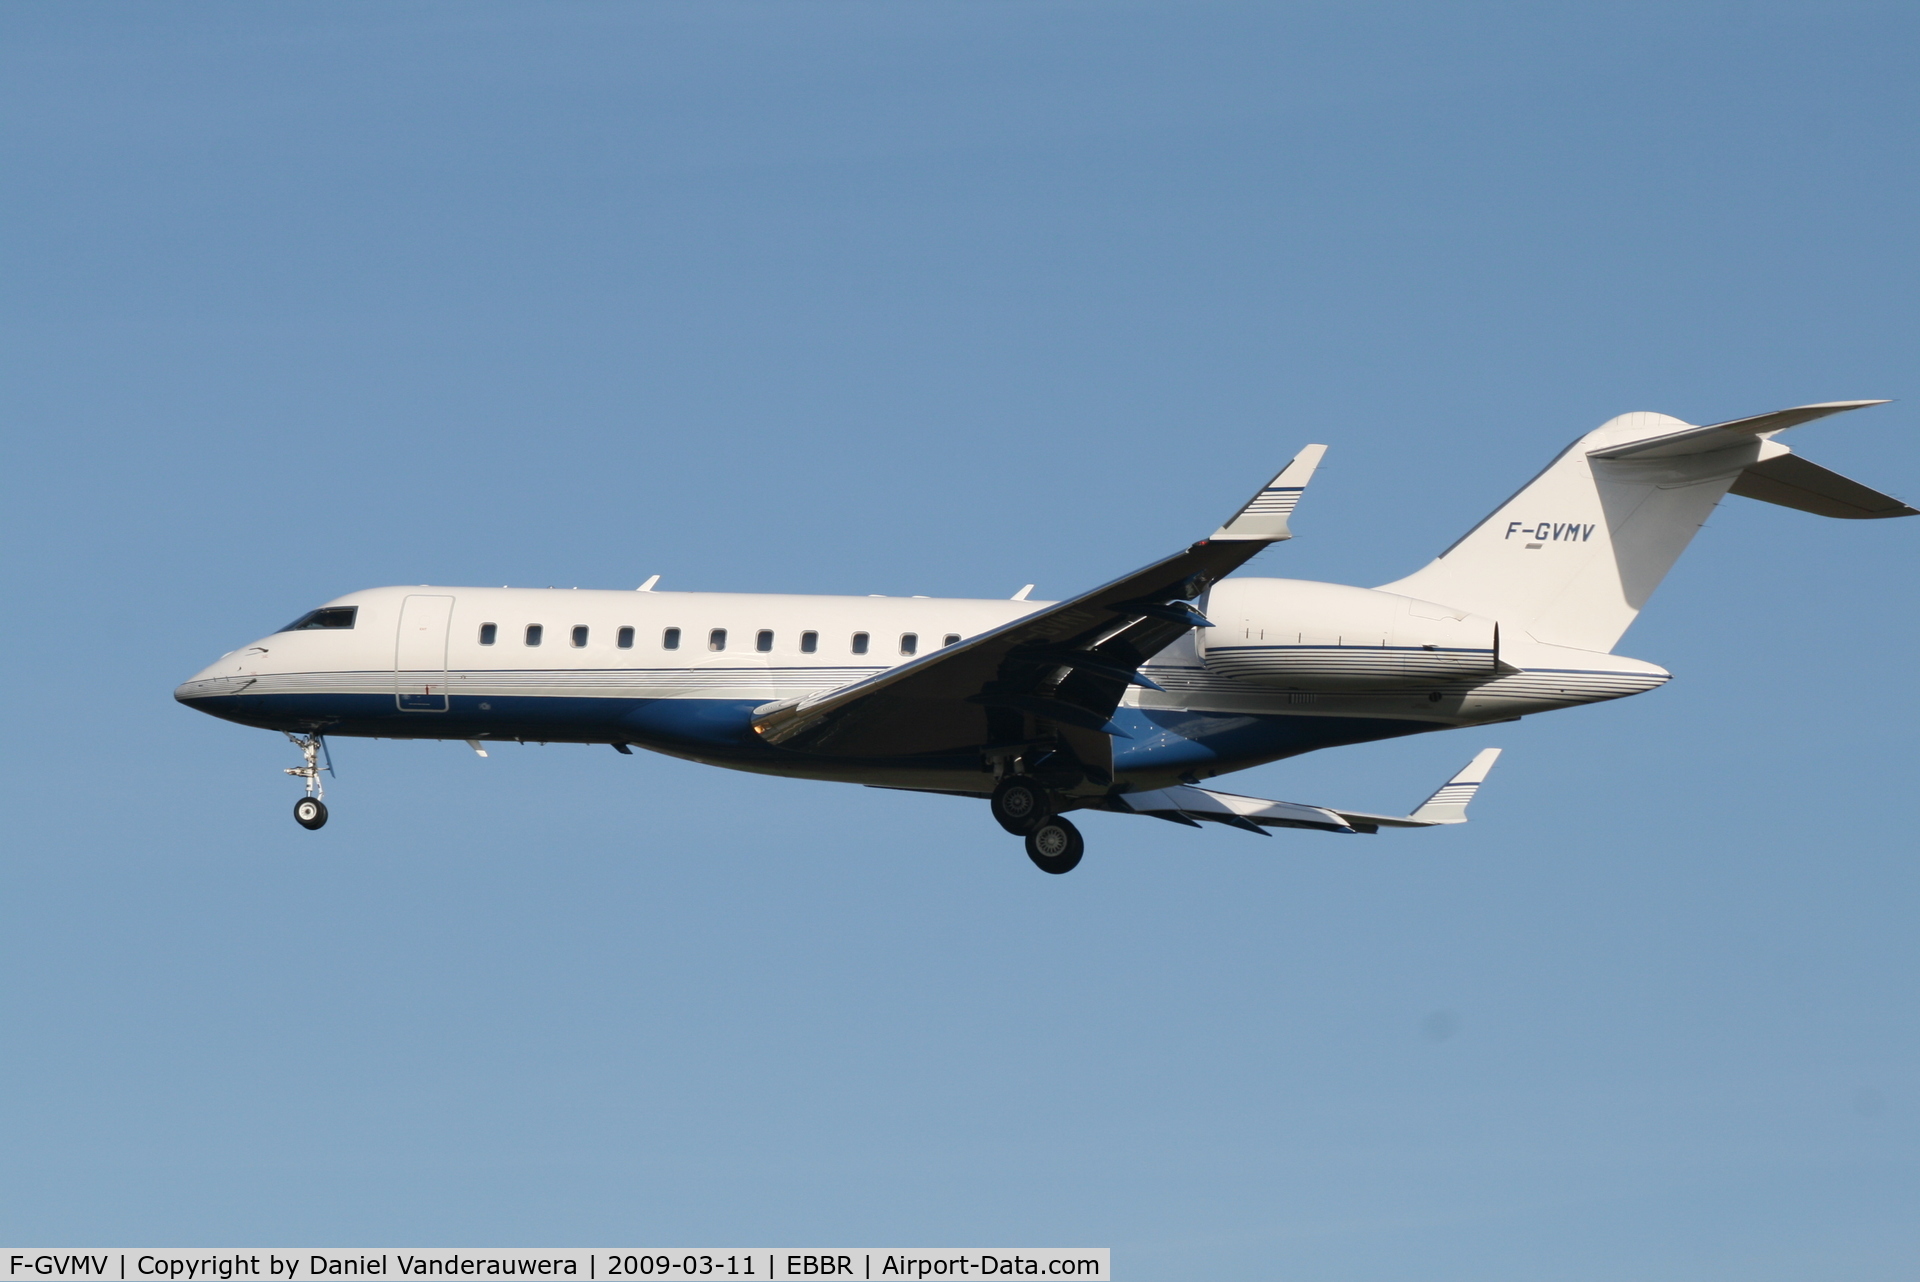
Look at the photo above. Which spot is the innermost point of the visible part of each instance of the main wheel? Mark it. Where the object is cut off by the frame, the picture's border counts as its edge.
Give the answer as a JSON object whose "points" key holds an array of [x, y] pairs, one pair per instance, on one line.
{"points": [[1019, 803], [1055, 846], [310, 813]]}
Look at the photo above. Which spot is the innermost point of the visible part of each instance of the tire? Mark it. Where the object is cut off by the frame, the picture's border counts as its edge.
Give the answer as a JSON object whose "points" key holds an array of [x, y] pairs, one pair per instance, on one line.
{"points": [[1019, 804], [310, 814], [1055, 846]]}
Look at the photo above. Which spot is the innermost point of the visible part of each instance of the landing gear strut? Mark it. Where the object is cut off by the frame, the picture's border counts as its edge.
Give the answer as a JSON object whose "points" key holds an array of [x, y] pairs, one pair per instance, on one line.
{"points": [[310, 811], [1055, 846]]}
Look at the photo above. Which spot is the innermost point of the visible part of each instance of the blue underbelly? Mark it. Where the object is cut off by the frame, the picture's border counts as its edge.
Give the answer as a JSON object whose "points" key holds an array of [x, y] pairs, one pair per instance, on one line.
{"points": [[1216, 742], [1163, 741], [677, 723]]}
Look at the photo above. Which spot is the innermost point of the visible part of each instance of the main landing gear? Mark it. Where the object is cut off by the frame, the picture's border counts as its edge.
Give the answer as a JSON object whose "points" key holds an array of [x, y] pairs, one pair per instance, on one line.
{"points": [[1019, 803], [1025, 809], [1055, 846], [310, 811]]}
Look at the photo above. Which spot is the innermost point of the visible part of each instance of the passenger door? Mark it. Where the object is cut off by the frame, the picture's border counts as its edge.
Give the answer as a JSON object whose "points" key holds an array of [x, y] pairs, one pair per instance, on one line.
{"points": [[420, 654]]}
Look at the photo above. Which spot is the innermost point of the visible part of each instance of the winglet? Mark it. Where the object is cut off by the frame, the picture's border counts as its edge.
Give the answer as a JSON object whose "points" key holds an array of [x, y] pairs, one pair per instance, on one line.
{"points": [[1264, 518], [1449, 805]]}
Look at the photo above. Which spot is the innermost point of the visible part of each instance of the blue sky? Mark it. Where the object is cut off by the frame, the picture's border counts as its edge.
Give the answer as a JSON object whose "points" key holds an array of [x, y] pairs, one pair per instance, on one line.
{"points": [[946, 298]]}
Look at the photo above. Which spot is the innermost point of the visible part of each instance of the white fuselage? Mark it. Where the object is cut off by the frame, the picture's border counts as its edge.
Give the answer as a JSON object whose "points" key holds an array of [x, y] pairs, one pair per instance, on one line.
{"points": [[681, 672]]}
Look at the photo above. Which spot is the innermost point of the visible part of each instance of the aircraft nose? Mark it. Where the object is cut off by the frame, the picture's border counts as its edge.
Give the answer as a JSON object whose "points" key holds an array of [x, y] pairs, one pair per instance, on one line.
{"points": [[227, 675]]}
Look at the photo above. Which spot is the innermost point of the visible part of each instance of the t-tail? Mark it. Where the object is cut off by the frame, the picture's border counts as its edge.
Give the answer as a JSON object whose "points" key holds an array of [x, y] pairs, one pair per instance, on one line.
{"points": [[1572, 558]]}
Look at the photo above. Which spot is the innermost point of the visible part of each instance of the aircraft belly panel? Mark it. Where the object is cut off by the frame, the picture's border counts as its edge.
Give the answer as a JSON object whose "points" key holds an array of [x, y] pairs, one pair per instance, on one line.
{"points": [[1174, 742]]}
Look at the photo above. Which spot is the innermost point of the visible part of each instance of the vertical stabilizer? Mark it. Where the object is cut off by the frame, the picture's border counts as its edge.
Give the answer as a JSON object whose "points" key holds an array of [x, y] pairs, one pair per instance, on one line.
{"points": [[1573, 557]]}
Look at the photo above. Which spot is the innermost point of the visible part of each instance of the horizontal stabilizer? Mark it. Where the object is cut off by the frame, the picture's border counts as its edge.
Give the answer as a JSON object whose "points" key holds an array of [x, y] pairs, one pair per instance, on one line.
{"points": [[1792, 481], [1264, 518], [1725, 436], [1186, 804]]}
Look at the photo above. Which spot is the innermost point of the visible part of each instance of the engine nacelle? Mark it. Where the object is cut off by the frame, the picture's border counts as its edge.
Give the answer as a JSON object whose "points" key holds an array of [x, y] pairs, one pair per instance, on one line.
{"points": [[1298, 635]]}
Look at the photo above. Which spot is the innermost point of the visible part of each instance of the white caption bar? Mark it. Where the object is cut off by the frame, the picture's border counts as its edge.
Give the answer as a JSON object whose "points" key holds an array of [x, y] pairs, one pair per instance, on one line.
{"points": [[707, 1264]]}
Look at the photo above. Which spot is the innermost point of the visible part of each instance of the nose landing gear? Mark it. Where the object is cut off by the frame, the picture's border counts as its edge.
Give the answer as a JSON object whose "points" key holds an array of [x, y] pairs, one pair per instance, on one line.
{"points": [[310, 811]]}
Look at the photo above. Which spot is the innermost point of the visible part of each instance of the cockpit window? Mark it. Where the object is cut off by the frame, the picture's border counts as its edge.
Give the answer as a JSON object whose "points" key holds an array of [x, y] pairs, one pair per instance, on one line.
{"points": [[333, 616]]}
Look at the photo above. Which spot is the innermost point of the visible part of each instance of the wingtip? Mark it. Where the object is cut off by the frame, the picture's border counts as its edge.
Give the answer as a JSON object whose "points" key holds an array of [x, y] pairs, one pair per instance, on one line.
{"points": [[1476, 771], [1263, 518]]}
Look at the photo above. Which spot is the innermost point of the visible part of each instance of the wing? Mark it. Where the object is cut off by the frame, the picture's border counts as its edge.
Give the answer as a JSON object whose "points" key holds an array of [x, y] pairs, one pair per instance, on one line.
{"points": [[1049, 680], [1188, 805]]}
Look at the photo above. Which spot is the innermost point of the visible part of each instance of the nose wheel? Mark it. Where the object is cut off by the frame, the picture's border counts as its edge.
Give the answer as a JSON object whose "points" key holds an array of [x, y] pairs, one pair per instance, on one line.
{"points": [[310, 812]]}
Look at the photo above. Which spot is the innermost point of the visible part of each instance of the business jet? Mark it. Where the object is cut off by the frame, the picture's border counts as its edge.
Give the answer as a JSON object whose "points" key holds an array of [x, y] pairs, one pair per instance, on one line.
{"points": [[1123, 698]]}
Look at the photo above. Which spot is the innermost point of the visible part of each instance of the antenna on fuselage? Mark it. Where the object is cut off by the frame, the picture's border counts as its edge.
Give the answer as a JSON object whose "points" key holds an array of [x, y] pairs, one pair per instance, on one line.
{"points": [[648, 585]]}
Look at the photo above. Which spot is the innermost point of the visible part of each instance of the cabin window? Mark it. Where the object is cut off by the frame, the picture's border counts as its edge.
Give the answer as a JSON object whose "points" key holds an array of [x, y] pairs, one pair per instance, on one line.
{"points": [[488, 633], [953, 638], [625, 639], [809, 642], [534, 632], [859, 643], [764, 641], [909, 642], [670, 639], [717, 639], [333, 616]]}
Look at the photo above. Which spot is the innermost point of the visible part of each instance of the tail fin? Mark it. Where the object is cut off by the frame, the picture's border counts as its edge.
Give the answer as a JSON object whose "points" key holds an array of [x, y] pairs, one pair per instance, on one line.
{"points": [[1573, 557]]}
